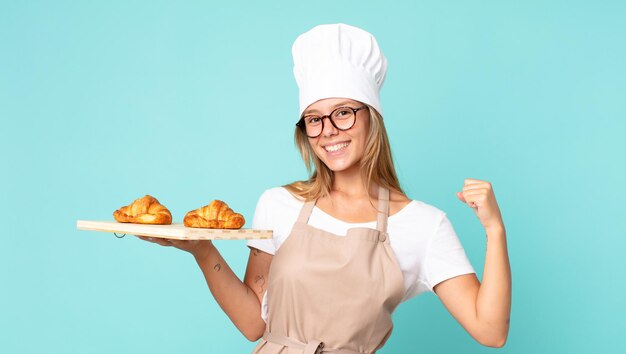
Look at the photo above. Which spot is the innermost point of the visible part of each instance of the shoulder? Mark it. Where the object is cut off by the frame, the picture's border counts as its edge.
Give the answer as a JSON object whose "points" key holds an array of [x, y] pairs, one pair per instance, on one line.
{"points": [[278, 197], [414, 207], [417, 217], [277, 210], [427, 210], [401, 202]]}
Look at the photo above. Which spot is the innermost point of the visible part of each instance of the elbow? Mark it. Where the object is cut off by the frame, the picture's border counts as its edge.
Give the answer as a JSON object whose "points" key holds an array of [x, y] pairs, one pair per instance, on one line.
{"points": [[254, 334], [492, 334], [252, 337], [493, 341], [496, 343]]}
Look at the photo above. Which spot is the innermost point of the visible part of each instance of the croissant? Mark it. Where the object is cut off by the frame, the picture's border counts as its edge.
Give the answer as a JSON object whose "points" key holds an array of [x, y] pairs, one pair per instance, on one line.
{"points": [[216, 215], [145, 210]]}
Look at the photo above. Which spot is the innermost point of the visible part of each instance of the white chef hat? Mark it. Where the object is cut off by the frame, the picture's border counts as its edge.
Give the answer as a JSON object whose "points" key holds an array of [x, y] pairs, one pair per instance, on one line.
{"points": [[338, 60]]}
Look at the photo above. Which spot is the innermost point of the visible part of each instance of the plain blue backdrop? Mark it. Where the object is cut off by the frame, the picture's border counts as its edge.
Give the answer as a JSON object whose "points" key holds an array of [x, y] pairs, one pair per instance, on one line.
{"points": [[103, 102]]}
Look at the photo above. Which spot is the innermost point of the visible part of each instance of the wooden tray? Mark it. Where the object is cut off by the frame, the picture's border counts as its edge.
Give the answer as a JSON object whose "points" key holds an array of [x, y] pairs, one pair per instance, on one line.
{"points": [[174, 231]]}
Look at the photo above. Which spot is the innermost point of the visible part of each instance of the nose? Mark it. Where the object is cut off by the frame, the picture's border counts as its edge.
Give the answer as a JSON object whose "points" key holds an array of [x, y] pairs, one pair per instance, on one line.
{"points": [[328, 128]]}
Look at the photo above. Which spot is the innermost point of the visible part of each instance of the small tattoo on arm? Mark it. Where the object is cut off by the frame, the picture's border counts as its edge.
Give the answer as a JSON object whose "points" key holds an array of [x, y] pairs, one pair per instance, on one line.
{"points": [[255, 252], [260, 281], [217, 267]]}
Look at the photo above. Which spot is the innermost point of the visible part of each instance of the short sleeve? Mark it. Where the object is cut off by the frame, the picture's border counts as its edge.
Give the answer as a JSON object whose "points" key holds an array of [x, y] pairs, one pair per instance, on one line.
{"points": [[262, 220], [445, 257]]}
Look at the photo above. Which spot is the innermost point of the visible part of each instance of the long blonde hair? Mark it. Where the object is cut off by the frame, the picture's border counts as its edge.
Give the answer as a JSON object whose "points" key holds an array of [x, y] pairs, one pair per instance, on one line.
{"points": [[376, 165]]}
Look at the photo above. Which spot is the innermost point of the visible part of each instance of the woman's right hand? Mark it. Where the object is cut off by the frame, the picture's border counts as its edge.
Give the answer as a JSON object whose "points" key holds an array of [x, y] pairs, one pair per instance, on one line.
{"points": [[198, 248]]}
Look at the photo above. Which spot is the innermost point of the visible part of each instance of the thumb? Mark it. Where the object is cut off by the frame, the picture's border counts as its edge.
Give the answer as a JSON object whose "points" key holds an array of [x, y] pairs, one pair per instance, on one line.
{"points": [[460, 196]]}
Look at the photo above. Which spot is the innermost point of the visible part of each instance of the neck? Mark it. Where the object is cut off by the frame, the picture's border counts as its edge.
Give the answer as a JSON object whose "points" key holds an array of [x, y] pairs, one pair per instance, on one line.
{"points": [[350, 182]]}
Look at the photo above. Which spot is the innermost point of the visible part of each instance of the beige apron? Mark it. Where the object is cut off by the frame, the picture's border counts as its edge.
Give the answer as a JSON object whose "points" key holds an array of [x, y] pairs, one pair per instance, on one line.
{"points": [[332, 294]]}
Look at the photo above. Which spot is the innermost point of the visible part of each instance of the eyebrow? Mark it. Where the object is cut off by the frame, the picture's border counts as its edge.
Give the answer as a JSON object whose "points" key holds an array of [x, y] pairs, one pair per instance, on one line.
{"points": [[340, 104]]}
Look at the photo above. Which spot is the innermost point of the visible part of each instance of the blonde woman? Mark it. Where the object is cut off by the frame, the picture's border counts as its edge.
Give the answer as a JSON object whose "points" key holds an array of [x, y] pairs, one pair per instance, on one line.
{"points": [[349, 245]]}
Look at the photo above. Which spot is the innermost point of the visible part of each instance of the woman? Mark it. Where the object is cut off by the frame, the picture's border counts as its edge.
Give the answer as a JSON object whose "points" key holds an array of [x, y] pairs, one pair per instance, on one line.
{"points": [[348, 244]]}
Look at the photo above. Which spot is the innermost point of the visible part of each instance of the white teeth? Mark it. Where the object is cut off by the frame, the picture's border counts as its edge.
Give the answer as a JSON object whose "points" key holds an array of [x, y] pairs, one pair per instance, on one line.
{"points": [[333, 148]]}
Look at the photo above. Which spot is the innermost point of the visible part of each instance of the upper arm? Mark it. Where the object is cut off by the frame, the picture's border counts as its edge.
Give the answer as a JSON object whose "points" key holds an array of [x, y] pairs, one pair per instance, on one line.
{"points": [[459, 295], [257, 272]]}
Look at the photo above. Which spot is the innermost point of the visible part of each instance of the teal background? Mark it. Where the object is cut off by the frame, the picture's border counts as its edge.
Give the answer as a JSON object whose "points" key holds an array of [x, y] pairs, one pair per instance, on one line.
{"points": [[103, 102]]}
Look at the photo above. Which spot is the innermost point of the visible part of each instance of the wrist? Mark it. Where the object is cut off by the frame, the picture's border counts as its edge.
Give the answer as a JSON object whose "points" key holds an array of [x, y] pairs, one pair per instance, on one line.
{"points": [[203, 253], [496, 230]]}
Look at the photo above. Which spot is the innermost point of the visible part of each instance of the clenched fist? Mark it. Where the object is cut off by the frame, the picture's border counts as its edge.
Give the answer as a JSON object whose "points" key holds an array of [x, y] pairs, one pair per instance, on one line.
{"points": [[480, 197]]}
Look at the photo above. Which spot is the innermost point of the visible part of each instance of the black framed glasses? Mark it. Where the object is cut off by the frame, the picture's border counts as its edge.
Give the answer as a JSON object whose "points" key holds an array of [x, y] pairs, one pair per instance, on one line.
{"points": [[342, 118]]}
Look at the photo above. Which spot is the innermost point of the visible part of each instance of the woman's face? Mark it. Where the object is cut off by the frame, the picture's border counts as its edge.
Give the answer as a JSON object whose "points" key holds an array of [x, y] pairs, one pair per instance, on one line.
{"points": [[340, 150]]}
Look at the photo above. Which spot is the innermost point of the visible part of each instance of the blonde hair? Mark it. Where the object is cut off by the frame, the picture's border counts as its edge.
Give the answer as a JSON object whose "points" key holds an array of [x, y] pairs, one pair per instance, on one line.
{"points": [[376, 165]]}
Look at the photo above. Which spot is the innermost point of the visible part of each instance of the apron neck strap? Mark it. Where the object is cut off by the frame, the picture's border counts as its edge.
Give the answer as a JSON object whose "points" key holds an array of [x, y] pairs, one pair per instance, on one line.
{"points": [[383, 209], [305, 212], [381, 218]]}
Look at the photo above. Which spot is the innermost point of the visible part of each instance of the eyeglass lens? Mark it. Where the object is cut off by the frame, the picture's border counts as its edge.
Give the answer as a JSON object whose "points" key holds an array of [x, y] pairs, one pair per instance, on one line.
{"points": [[342, 118]]}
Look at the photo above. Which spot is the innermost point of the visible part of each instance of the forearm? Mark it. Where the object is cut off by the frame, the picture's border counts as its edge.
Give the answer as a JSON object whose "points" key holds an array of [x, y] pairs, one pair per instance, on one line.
{"points": [[237, 300], [493, 302]]}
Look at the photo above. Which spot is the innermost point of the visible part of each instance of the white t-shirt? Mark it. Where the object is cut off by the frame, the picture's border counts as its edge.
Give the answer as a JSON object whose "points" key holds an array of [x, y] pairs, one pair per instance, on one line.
{"points": [[421, 236]]}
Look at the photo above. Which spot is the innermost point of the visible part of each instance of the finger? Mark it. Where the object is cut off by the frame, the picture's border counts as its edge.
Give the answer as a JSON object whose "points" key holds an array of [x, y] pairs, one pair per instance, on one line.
{"points": [[471, 198], [163, 241], [474, 199], [157, 240], [176, 242], [145, 238], [179, 243], [460, 196], [475, 196], [473, 181], [477, 185], [472, 202], [479, 191]]}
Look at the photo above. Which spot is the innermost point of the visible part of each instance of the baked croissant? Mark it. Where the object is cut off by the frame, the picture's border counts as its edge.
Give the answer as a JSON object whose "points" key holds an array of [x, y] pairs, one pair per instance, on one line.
{"points": [[216, 215], [145, 210]]}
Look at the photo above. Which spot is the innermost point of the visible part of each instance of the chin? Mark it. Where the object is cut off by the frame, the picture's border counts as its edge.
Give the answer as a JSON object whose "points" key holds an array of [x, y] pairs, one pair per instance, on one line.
{"points": [[339, 166]]}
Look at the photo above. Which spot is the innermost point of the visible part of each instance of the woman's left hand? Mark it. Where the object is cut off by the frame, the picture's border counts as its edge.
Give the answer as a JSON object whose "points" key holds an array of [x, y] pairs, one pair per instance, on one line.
{"points": [[480, 197]]}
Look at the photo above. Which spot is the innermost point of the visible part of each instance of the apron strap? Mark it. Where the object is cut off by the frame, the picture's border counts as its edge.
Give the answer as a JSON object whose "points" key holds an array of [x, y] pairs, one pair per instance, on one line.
{"points": [[305, 212], [382, 215], [383, 209]]}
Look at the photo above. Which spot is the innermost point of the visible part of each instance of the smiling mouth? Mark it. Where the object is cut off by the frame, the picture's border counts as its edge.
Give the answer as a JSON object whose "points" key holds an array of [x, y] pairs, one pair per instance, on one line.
{"points": [[336, 147]]}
